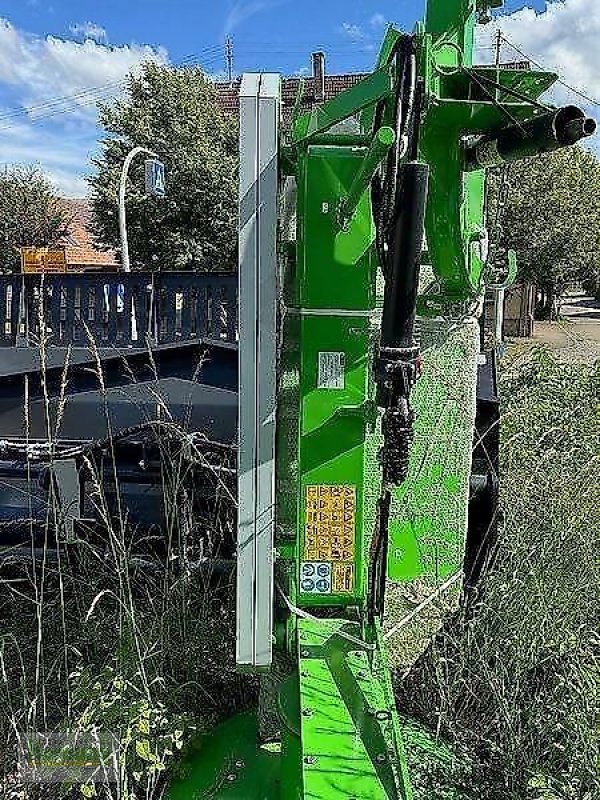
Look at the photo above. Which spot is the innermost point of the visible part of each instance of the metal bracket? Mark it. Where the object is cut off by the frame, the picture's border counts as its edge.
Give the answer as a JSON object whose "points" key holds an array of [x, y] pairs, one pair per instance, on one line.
{"points": [[66, 476]]}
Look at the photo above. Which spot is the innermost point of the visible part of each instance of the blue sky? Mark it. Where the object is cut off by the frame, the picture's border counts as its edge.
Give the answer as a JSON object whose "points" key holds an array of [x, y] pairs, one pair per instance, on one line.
{"points": [[53, 49]]}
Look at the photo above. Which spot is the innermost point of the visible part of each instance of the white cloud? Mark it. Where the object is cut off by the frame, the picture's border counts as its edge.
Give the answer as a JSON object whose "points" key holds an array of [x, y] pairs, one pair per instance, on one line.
{"points": [[41, 69], [62, 154], [564, 38], [47, 77], [89, 30], [242, 10], [359, 35], [378, 21], [68, 184], [354, 32]]}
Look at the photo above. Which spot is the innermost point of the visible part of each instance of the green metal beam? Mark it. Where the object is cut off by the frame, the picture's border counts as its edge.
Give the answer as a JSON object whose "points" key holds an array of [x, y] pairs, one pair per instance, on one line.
{"points": [[367, 93], [381, 144], [348, 717]]}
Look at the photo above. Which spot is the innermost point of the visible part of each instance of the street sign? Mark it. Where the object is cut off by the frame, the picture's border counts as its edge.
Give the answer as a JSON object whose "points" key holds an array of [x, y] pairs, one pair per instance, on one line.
{"points": [[43, 259], [155, 178]]}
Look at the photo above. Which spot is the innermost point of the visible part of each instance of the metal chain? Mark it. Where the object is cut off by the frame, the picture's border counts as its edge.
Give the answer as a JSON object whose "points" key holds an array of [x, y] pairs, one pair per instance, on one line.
{"points": [[496, 231]]}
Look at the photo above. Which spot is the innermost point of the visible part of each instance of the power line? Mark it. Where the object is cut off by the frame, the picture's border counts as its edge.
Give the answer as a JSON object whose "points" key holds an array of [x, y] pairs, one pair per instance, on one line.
{"points": [[208, 57], [101, 95], [579, 93], [86, 97]]}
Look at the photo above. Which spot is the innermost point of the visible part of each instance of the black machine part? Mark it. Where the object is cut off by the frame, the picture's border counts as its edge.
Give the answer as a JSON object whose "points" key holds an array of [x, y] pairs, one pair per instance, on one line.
{"points": [[543, 134], [405, 248], [399, 203], [482, 537], [399, 356]]}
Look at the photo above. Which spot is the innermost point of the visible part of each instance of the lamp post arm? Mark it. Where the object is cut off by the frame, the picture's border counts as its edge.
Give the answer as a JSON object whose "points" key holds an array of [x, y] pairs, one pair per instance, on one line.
{"points": [[122, 209]]}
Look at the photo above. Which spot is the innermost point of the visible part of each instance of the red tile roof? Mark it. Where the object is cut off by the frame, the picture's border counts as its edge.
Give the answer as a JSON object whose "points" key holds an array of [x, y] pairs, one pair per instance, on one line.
{"points": [[81, 252], [334, 85]]}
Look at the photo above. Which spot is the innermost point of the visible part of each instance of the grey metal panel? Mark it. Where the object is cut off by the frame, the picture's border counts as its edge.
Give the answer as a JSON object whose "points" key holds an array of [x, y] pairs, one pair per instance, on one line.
{"points": [[259, 135], [248, 249], [267, 364], [69, 493]]}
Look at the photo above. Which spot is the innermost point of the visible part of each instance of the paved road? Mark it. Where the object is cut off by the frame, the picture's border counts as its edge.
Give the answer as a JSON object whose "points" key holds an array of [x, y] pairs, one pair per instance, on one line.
{"points": [[576, 337]]}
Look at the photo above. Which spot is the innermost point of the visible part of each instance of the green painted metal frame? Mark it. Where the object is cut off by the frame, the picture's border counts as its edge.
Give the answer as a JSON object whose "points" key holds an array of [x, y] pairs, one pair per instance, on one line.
{"points": [[377, 86], [346, 749], [350, 737]]}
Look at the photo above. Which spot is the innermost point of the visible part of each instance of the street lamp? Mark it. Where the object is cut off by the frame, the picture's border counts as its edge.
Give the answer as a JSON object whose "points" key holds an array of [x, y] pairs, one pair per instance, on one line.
{"points": [[122, 211]]}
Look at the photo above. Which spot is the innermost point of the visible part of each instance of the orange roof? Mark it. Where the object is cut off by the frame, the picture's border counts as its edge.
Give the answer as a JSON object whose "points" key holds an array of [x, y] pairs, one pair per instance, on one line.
{"points": [[81, 251], [334, 85]]}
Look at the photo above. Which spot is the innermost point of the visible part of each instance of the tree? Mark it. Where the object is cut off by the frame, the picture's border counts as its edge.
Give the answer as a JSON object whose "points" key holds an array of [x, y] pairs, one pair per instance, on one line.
{"points": [[31, 215], [174, 112], [552, 220]]}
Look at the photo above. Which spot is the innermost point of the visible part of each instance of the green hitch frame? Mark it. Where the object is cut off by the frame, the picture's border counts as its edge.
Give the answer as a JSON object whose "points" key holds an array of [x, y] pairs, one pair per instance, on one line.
{"points": [[383, 141]]}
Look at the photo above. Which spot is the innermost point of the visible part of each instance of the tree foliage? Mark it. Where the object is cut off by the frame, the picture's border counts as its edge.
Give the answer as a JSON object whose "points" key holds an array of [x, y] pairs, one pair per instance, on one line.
{"points": [[552, 218], [31, 215], [175, 113]]}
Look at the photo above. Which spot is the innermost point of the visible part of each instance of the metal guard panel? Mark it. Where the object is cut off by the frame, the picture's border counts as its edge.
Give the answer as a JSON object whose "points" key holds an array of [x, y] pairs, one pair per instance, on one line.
{"points": [[258, 276]]}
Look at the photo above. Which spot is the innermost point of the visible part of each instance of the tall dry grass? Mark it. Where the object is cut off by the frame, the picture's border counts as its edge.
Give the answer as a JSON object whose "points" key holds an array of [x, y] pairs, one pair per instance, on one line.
{"points": [[515, 689], [108, 631], [95, 636]]}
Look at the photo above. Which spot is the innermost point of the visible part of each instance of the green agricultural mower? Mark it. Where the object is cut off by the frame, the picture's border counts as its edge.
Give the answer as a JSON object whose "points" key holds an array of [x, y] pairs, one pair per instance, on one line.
{"points": [[364, 259]]}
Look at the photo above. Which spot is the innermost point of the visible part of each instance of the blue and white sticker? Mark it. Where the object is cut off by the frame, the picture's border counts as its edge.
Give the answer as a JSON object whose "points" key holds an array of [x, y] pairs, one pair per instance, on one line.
{"points": [[315, 577]]}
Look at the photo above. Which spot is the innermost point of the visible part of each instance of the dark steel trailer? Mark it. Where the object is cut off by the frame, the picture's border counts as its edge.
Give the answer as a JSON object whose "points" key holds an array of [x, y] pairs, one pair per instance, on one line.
{"points": [[106, 357]]}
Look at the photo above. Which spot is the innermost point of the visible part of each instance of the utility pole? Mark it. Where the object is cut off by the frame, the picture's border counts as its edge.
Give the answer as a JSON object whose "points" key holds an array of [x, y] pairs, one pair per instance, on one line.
{"points": [[498, 57], [229, 58]]}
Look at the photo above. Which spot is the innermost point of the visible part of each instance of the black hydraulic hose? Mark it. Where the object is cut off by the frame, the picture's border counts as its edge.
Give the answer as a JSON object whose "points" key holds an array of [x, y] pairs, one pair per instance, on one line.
{"points": [[385, 190], [405, 249], [379, 555], [415, 121], [399, 203]]}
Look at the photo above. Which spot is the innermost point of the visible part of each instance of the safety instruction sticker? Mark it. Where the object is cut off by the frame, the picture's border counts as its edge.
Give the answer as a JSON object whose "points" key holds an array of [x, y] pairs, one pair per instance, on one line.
{"points": [[342, 579], [332, 371], [329, 540]]}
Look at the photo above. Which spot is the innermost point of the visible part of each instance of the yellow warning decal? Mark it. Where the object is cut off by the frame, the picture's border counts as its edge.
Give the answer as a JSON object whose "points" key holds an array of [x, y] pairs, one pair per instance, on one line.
{"points": [[330, 532], [342, 579]]}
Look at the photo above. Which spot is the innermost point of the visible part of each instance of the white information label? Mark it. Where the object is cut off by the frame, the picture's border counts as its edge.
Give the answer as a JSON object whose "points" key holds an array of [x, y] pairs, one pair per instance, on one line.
{"points": [[332, 371]]}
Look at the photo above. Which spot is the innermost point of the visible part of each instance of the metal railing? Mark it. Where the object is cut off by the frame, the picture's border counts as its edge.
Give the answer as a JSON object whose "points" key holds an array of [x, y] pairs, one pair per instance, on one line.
{"points": [[117, 309]]}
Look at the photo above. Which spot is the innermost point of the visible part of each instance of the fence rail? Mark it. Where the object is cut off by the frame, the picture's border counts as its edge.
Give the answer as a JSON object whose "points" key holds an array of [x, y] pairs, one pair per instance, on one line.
{"points": [[117, 310]]}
